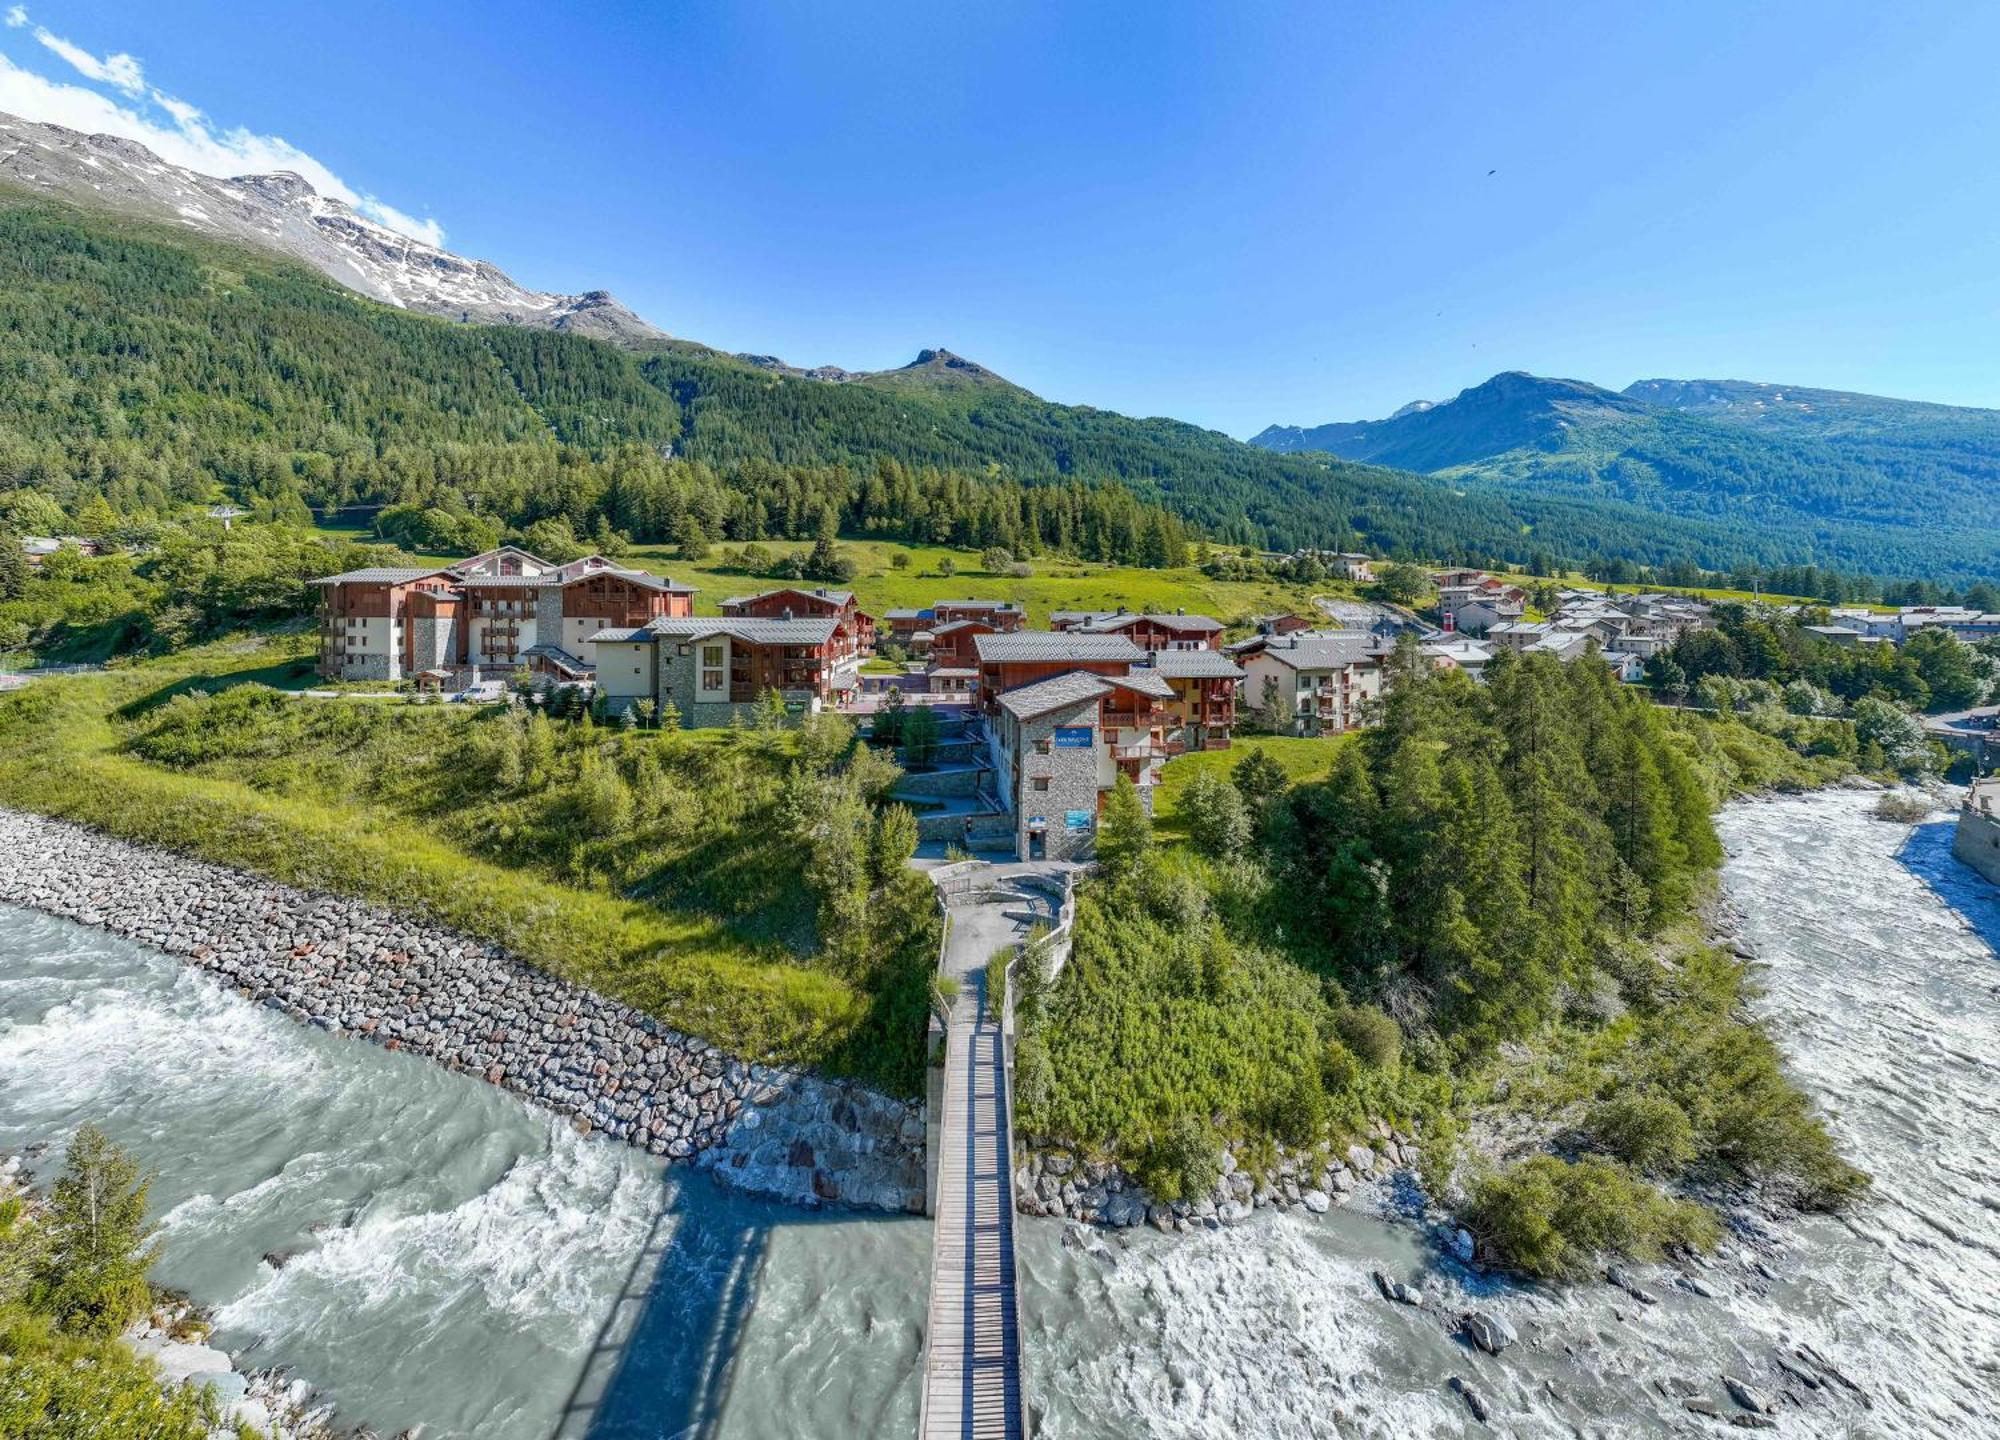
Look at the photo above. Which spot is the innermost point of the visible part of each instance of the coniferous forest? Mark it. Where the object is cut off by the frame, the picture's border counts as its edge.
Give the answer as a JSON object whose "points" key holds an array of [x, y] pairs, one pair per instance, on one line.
{"points": [[150, 368]]}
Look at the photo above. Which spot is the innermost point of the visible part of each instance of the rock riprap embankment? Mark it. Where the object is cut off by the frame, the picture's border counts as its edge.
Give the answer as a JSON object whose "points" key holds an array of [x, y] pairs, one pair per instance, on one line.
{"points": [[1052, 1180], [356, 969]]}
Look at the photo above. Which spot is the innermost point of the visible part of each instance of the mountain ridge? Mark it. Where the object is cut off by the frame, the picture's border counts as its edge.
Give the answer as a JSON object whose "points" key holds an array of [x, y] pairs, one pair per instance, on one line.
{"points": [[281, 211]]}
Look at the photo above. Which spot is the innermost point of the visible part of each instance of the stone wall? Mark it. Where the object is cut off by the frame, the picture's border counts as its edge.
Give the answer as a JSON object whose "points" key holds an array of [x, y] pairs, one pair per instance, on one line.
{"points": [[355, 969], [1977, 839]]}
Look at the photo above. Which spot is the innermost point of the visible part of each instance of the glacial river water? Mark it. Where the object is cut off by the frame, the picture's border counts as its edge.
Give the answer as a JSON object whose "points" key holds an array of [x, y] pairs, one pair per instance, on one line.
{"points": [[453, 1258]]}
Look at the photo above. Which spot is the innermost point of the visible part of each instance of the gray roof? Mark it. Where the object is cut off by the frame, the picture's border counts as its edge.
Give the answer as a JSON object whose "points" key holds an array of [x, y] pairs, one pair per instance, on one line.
{"points": [[950, 626], [1025, 702], [1145, 682], [1048, 645], [977, 604], [832, 597], [903, 614], [811, 631], [1202, 623], [1325, 649], [380, 575], [1196, 665]]}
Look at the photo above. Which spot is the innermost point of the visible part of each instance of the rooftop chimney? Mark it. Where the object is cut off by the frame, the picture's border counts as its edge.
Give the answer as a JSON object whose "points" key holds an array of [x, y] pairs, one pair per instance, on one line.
{"points": [[788, 612]]}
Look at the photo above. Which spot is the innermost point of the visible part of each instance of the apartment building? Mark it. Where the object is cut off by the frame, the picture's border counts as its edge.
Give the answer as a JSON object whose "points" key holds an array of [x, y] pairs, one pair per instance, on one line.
{"points": [[1329, 677], [1005, 616], [502, 609], [712, 670], [1059, 746], [1010, 661], [795, 603], [1203, 711], [1178, 631]]}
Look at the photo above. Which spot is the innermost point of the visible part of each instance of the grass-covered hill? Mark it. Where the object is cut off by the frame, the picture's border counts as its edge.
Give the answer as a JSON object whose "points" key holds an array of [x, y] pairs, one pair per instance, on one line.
{"points": [[1852, 482], [153, 367]]}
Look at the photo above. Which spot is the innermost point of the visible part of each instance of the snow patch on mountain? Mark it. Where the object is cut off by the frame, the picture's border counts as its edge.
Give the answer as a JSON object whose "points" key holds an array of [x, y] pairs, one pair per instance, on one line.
{"points": [[282, 212]]}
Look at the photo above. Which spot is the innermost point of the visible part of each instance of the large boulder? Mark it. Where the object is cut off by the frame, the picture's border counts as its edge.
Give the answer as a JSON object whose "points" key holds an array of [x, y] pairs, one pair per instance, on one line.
{"points": [[1491, 1333]]}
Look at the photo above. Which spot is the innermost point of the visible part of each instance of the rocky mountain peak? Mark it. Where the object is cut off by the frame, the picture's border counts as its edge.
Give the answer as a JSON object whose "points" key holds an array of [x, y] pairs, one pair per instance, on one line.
{"points": [[281, 211]]}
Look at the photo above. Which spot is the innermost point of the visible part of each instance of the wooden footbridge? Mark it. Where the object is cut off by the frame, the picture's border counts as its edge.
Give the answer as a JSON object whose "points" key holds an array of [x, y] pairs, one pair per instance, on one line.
{"points": [[972, 1376]]}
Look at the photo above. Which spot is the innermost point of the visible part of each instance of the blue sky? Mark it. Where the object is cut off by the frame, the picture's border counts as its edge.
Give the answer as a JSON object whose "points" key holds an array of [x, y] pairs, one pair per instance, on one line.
{"points": [[1230, 214]]}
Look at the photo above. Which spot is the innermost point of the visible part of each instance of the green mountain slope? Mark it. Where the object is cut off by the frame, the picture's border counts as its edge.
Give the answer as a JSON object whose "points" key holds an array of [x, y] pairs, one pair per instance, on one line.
{"points": [[1848, 481], [151, 366]]}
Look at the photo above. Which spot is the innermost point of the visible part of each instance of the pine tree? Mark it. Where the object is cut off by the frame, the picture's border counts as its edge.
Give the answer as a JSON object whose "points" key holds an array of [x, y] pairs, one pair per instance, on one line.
{"points": [[93, 1275], [1124, 831]]}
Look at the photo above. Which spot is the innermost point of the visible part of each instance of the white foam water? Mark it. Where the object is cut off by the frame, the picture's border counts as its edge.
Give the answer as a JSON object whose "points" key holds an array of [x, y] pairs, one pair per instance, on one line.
{"points": [[461, 1260]]}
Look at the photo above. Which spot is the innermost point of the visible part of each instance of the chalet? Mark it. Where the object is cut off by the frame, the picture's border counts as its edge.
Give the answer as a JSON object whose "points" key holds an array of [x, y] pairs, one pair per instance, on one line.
{"points": [[1178, 631], [1203, 710], [1058, 746], [798, 604], [1327, 678], [952, 644], [1009, 661], [1005, 616], [712, 670], [1281, 624], [502, 609], [907, 626]]}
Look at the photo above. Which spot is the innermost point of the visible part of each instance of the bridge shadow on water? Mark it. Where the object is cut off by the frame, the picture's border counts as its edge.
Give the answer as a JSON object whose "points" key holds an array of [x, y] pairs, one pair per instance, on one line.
{"points": [[1927, 855], [664, 1363]]}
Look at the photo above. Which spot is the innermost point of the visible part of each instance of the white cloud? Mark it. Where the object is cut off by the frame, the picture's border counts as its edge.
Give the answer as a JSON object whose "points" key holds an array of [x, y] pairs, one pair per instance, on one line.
{"points": [[180, 133], [120, 70]]}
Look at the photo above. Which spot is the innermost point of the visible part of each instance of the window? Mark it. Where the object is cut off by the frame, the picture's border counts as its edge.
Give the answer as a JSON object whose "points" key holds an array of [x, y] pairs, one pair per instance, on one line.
{"points": [[1041, 782], [1044, 745], [714, 679]]}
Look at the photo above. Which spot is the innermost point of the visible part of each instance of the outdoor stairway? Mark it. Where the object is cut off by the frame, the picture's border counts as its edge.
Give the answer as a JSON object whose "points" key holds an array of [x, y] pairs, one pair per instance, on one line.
{"points": [[972, 1356]]}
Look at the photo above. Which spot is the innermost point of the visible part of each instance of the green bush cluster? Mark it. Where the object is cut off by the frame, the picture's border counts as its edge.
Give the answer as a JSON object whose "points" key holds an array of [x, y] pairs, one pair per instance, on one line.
{"points": [[1552, 1218]]}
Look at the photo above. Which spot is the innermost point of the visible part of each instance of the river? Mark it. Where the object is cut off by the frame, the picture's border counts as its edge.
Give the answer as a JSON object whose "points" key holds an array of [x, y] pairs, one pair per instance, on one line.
{"points": [[452, 1258]]}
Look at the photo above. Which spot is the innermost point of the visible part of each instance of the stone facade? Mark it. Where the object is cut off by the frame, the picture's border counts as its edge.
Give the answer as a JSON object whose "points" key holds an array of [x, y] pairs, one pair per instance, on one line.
{"points": [[431, 642], [355, 969], [1051, 782]]}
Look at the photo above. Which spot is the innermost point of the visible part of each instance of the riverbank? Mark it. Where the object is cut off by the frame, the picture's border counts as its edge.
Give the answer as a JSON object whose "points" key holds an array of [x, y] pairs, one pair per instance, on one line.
{"points": [[354, 969]]}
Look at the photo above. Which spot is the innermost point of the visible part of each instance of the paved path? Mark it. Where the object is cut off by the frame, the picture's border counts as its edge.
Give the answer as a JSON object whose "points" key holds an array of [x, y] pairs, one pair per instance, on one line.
{"points": [[972, 1353]]}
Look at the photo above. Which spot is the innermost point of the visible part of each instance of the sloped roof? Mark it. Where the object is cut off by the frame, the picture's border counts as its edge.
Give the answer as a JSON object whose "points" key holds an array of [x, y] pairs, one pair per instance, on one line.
{"points": [[809, 631], [1325, 649], [836, 598], [380, 575], [1025, 702], [1144, 682], [1196, 665], [1027, 645]]}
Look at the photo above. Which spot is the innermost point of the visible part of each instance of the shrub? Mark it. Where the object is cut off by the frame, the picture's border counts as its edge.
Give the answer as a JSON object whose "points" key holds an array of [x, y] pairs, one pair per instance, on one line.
{"points": [[1215, 816], [1372, 1036], [1646, 1130], [1552, 1218], [996, 982], [900, 560], [1183, 1162], [1297, 1114]]}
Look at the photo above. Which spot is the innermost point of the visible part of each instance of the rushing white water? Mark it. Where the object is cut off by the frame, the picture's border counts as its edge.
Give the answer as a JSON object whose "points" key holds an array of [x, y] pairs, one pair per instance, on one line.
{"points": [[457, 1259], [463, 1261]]}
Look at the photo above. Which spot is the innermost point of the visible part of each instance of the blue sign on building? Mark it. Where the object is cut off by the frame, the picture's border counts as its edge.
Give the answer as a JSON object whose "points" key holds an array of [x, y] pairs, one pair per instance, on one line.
{"points": [[1078, 819], [1075, 737]]}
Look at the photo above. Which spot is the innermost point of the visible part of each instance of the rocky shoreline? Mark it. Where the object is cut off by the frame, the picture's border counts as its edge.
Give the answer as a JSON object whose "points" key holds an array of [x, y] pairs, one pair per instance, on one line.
{"points": [[1057, 1182], [354, 969]]}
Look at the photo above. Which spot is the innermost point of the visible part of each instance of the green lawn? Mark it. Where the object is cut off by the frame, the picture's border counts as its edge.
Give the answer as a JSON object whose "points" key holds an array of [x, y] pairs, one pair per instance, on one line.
{"points": [[1057, 584], [1300, 759]]}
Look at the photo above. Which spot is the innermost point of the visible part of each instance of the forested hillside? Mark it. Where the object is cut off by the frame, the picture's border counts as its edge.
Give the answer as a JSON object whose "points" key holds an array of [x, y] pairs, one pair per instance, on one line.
{"points": [[153, 368], [1852, 482]]}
